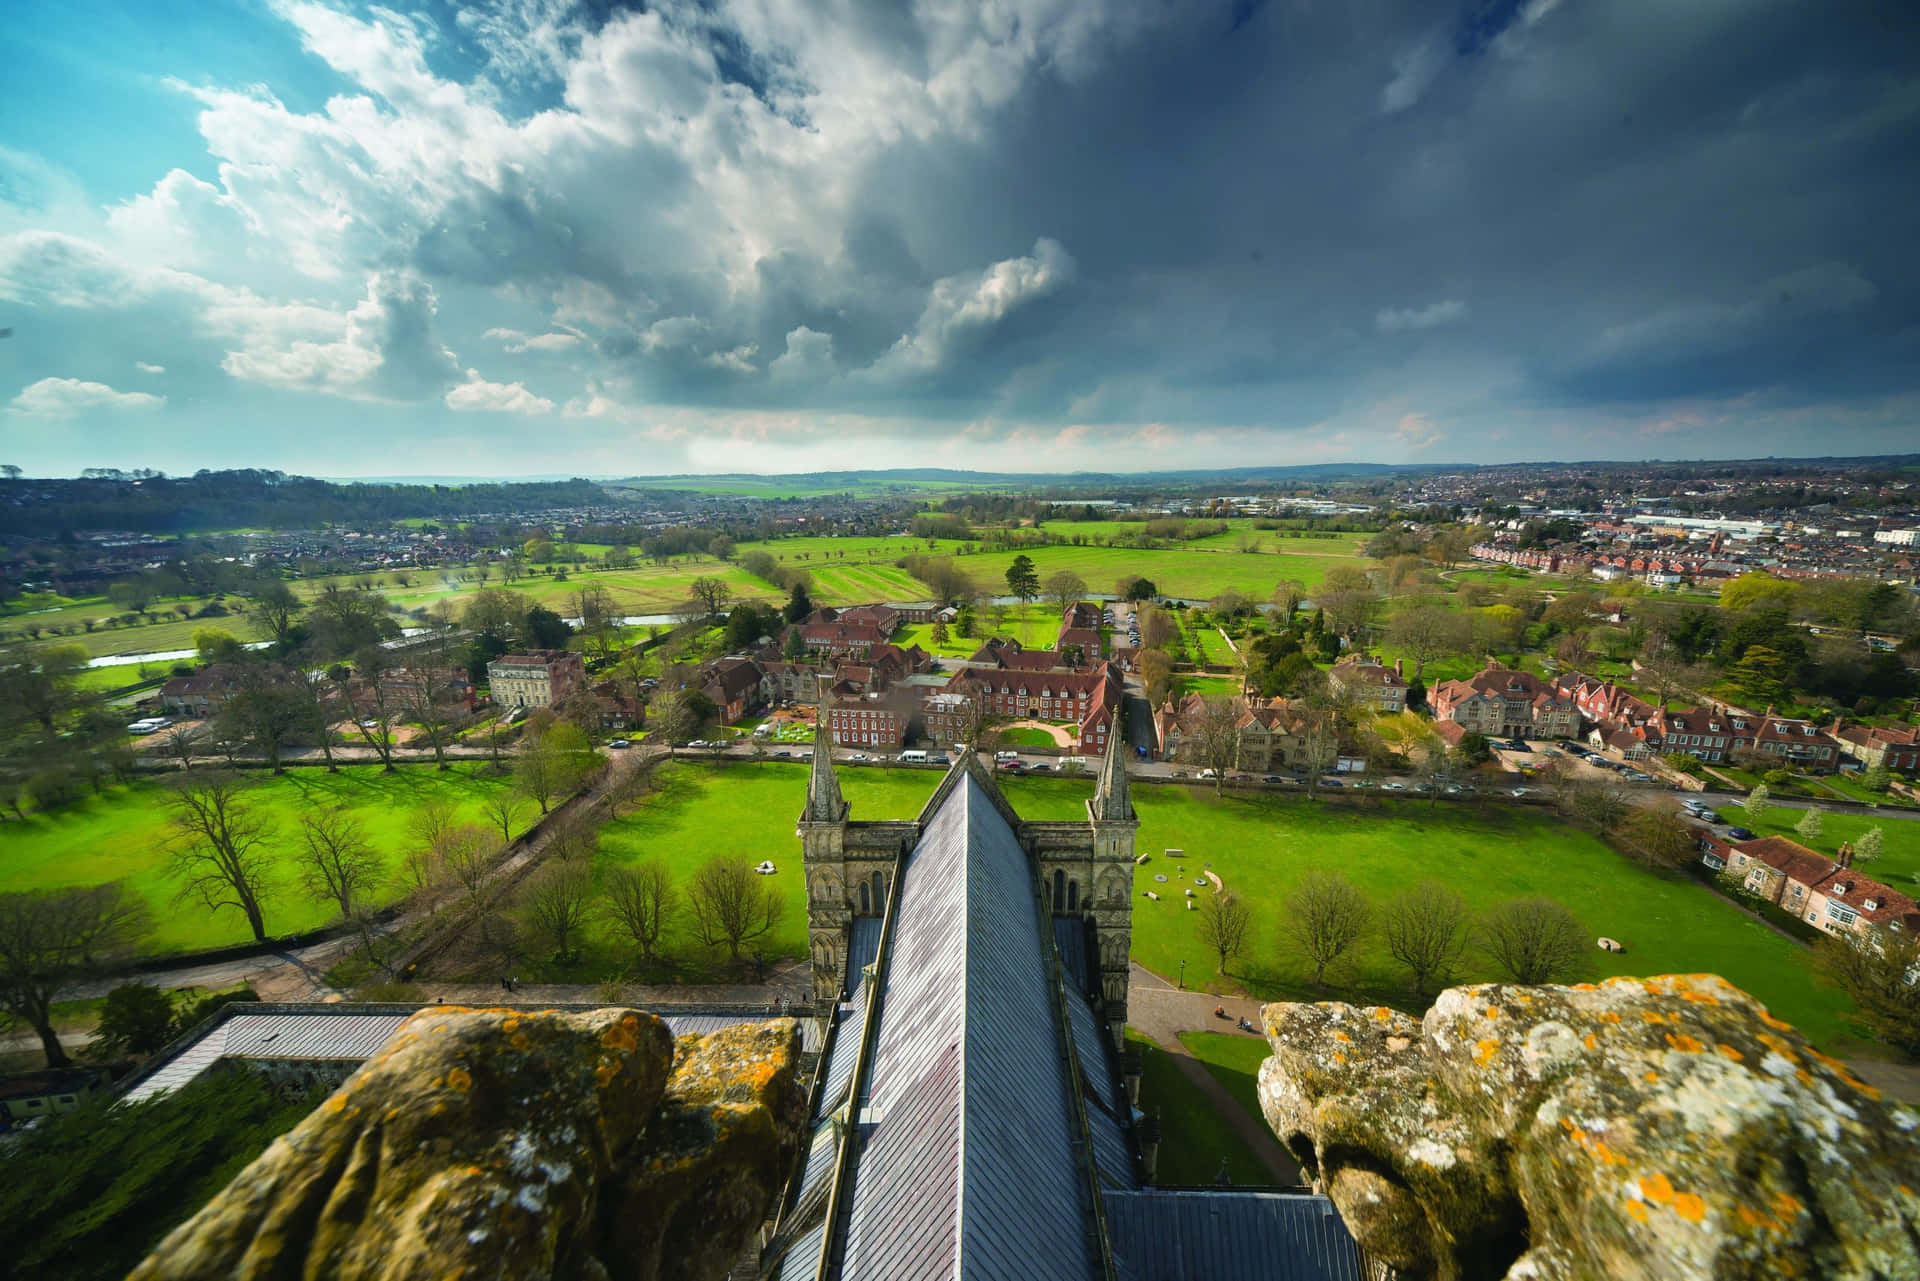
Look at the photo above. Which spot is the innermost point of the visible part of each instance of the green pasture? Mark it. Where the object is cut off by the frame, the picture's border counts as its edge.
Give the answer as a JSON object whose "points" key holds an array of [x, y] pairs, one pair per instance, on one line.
{"points": [[123, 834], [1260, 845]]}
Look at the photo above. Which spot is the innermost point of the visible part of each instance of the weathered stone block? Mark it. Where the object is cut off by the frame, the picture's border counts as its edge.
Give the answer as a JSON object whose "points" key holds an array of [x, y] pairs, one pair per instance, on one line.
{"points": [[1658, 1128]]}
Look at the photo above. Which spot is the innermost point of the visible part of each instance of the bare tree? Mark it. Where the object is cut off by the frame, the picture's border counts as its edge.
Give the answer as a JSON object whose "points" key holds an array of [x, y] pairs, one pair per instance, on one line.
{"points": [[1659, 836], [217, 850], [641, 900], [711, 593], [1223, 925], [337, 863], [1427, 631], [556, 906], [1064, 588], [673, 720], [1216, 738], [572, 839], [1425, 929], [1348, 597], [467, 852], [599, 617], [422, 871], [52, 939], [433, 820], [503, 805], [1324, 917], [369, 703], [185, 744], [1287, 597], [1324, 714], [730, 906], [265, 710], [312, 686], [1534, 940]]}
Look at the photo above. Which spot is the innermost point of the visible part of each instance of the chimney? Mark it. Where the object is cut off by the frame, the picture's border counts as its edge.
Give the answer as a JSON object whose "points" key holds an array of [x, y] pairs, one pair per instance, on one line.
{"points": [[1397, 669], [1846, 854]]}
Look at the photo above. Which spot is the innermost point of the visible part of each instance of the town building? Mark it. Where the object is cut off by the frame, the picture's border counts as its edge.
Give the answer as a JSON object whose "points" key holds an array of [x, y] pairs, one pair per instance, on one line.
{"points": [[1370, 682], [446, 688], [535, 678], [867, 720], [1088, 698], [1270, 734], [1502, 702], [733, 685], [49, 1091], [201, 694]]}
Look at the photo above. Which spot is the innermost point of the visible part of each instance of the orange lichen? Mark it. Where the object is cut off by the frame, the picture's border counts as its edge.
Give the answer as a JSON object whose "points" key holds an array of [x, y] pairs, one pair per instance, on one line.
{"points": [[1788, 1204], [1382, 1014], [1656, 1188], [1484, 1049], [508, 1025], [1689, 1207], [623, 1036], [1493, 1011], [459, 1080], [1700, 998], [1650, 1077], [1591, 1041], [1728, 1052], [1653, 1016], [1778, 1046], [1341, 1036], [1637, 1211], [1609, 1016], [1684, 1043], [1778, 1024]]}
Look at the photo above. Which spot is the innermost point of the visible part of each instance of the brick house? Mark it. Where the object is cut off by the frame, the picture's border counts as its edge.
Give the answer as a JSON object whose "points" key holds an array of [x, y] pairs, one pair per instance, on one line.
{"points": [[872, 720], [1368, 680], [1501, 702], [732, 684], [948, 717], [446, 687], [1826, 893], [1877, 745], [1786, 742], [1088, 698], [203, 693], [535, 677], [1703, 735]]}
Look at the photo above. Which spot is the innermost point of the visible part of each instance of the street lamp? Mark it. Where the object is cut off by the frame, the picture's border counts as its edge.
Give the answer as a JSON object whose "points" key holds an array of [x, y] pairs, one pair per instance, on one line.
{"points": [[1183, 976]]}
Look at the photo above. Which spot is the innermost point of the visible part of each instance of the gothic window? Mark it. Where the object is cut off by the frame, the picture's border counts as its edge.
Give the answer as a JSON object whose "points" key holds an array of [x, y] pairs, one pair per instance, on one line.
{"points": [[1073, 896], [879, 892], [1059, 889], [866, 905]]}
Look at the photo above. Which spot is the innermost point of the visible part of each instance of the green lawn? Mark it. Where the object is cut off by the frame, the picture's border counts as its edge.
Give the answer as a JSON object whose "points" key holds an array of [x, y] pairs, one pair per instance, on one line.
{"points": [[122, 834], [1261, 844], [1023, 737], [1235, 1063], [1194, 1137]]}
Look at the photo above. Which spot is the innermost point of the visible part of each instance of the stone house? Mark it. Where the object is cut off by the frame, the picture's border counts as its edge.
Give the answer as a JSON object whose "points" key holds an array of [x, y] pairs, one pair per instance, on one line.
{"points": [[536, 677], [1500, 702], [1369, 681], [1826, 893], [1878, 745]]}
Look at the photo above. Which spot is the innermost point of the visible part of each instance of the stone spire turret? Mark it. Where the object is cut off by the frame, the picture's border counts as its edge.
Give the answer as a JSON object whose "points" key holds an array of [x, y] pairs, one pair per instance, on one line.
{"points": [[1110, 802], [824, 803]]}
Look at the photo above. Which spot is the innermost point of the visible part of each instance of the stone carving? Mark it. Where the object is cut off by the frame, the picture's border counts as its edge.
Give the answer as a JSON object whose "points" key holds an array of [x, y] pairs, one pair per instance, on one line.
{"points": [[1658, 1128], [1115, 886], [497, 1143]]}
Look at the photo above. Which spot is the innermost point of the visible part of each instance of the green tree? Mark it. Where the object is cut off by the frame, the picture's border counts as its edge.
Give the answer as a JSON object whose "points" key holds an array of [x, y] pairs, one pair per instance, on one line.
{"points": [[53, 939], [1022, 580], [799, 602], [1868, 848], [1878, 979], [1877, 779], [1757, 804], [1811, 825], [1761, 675], [1737, 595], [137, 1018], [1137, 589], [938, 634]]}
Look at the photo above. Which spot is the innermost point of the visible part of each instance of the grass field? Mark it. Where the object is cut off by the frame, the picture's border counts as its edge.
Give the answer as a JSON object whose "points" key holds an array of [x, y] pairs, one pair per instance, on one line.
{"points": [[122, 834], [1235, 1062], [1194, 1137], [1261, 845]]}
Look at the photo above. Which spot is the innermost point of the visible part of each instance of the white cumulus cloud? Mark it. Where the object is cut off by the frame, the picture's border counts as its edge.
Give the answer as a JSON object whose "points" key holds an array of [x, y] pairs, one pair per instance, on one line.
{"points": [[961, 306], [148, 367], [65, 397], [477, 395]]}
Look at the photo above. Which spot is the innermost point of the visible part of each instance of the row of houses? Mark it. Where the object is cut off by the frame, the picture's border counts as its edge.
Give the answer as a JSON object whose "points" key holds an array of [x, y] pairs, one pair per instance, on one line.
{"points": [[1636, 729]]}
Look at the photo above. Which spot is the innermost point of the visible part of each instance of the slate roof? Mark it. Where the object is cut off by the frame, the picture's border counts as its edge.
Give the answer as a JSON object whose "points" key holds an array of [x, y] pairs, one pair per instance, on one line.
{"points": [[968, 1165], [1277, 1236]]}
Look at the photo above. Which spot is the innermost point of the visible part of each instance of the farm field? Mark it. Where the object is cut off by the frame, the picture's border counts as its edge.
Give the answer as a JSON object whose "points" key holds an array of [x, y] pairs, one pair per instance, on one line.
{"points": [[1261, 845], [121, 834]]}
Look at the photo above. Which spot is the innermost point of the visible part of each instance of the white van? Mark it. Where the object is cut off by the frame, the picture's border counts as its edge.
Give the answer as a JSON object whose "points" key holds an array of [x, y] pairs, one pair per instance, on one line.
{"points": [[913, 756]]}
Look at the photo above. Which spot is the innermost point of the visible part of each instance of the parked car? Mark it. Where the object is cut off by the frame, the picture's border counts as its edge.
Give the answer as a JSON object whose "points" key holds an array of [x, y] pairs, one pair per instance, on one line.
{"points": [[1518, 792], [859, 756], [1331, 782], [620, 742], [1739, 834], [1393, 787], [1273, 778], [1209, 774]]}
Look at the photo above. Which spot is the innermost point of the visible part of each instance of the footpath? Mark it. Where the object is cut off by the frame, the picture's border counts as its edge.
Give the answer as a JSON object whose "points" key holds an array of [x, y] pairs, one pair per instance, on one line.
{"points": [[1162, 1011]]}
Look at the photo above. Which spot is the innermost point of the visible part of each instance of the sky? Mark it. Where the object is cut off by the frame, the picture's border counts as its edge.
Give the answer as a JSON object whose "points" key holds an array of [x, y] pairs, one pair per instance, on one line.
{"points": [[536, 237]]}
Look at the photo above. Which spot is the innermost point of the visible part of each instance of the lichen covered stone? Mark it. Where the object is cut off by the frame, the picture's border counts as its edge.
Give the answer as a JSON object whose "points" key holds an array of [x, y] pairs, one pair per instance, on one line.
{"points": [[484, 1144], [1657, 1128]]}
